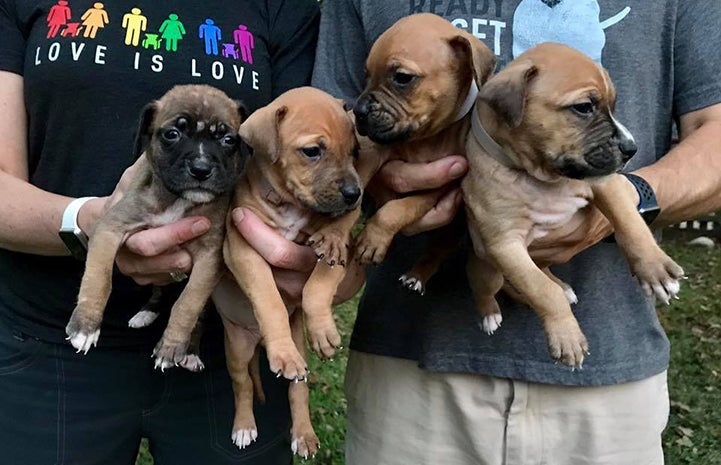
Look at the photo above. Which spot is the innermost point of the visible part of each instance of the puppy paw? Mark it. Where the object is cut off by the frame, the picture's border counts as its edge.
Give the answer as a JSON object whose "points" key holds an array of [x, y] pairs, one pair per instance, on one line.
{"points": [[169, 353], [659, 278], [491, 323], [83, 332], [192, 363], [305, 443], [324, 338], [331, 245], [243, 437], [412, 283], [372, 245], [285, 360], [142, 319], [566, 342]]}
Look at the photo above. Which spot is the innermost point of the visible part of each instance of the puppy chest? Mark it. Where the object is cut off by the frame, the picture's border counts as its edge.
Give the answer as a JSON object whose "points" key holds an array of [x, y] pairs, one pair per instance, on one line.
{"points": [[291, 221], [177, 210], [548, 212]]}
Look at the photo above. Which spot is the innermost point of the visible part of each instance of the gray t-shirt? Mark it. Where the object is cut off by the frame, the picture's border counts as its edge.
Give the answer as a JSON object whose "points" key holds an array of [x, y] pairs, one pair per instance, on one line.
{"points": [[664, 59]]}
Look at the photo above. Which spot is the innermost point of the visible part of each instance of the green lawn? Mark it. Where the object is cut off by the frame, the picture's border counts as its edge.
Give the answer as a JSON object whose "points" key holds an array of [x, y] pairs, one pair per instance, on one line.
{"points": [[693, 324]]}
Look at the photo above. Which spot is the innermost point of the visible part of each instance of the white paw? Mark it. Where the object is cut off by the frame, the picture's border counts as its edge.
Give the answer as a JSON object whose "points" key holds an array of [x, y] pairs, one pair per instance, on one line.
{"points": [[570, 295], [491, 323], [412, 284], [83, 341], [163, 363], [142, 319], [192, 363], [244, 437], [662, 291]]}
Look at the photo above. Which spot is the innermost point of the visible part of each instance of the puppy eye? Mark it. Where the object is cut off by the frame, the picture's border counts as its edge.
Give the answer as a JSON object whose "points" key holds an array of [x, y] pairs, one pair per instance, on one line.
{"points": [[171, 135], [228, 141], [402, 79], [312, 152], [583, 109]]}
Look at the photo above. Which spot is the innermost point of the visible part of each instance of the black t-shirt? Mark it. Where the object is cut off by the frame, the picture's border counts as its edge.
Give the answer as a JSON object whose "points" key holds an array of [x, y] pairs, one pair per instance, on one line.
{"points": [[89, 68]]}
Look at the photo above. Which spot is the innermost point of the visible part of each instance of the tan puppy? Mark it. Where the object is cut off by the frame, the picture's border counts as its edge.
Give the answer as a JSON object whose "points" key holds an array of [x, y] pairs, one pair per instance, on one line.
{"points": [[548, 144], [190, 162], [299, 179], [415, 107]]}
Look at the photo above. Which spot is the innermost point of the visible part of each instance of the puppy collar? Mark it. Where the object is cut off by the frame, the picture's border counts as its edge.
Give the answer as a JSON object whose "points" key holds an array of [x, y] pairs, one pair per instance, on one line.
{"points": [[468, 103], [491, 147]]}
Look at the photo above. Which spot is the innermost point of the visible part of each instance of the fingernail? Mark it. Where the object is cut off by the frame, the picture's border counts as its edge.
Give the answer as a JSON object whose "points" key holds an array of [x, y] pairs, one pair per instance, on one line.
{"points": [[200, 227], [457, 169], [238, 215]]}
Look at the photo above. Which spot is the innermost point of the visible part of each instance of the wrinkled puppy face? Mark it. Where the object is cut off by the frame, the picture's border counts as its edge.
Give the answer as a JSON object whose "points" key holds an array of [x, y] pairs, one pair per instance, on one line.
{"points": [[309, 143], [418, 73], [558, 106], [191, 141]]}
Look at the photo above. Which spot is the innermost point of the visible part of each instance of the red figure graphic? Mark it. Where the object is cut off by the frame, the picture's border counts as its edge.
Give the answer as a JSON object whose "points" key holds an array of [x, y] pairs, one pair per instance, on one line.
{"points": [[244, 38], [71, 29], [58, 16], [93, 19]]}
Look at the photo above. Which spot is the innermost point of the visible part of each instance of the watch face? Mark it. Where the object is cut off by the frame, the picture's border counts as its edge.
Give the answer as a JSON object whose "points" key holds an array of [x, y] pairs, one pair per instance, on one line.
{"points": [[75, 245]]}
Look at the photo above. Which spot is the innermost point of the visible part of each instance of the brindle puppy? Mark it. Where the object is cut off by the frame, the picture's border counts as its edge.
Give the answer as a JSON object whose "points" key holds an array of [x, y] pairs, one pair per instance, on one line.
{"points": [[190, 161]]}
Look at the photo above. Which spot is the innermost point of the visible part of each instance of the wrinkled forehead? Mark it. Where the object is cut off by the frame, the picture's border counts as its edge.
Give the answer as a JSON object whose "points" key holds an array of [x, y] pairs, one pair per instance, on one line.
{"points": [[568, 76], [320, 121], [199, 108]]}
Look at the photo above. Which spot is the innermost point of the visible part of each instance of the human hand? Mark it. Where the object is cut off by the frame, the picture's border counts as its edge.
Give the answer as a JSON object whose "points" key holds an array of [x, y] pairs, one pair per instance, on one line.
{"points": [[398, 177], [587, 227], [148, 256], [291, 263]]}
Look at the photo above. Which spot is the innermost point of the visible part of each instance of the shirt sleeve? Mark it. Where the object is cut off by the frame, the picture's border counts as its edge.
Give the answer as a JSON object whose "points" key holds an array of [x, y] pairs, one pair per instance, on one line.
{"points": [[293, 37], [12, 42], [697, 61], [342, 49]]}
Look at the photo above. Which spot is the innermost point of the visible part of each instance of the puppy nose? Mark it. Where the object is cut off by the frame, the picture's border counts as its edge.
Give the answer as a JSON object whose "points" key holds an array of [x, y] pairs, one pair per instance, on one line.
{"points": [[350, 192], [626, 143], [361, 109], [200, 169]]}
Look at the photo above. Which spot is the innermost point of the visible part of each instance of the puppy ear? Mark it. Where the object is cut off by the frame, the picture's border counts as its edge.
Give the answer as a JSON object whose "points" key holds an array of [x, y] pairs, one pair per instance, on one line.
{"points": [[506, 92], [242, 111], [143, 134], [261, 130], [480, 58]]}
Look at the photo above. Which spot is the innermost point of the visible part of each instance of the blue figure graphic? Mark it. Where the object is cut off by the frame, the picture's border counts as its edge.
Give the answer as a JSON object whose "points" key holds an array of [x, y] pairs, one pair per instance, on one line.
{"points": [[211, 33], [575, 23]]}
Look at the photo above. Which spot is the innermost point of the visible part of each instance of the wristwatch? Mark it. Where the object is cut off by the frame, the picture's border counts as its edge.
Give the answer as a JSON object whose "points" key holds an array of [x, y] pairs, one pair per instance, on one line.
{"points": [[647, 206], [70, 233]]}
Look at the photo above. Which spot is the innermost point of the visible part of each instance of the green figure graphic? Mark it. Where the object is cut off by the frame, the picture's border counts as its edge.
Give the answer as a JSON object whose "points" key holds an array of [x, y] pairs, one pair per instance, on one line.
{"points": [[134, 23], [93, 19], [172, 31]]}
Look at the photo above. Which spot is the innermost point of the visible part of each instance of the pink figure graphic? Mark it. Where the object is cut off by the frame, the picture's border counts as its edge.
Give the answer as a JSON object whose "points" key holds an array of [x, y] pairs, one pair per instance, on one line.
{"points": [[71, 29], [244, 38], [229, 50], [58, 16], [93, 19]]}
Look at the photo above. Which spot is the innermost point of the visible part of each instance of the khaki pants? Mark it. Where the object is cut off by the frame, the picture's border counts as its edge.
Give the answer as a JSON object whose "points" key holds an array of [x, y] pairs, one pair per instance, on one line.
{"points": [[401, 415]]}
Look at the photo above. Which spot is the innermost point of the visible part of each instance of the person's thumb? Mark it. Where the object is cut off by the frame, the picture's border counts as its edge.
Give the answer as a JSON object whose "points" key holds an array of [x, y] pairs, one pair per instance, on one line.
{"points": [[155, 241]]}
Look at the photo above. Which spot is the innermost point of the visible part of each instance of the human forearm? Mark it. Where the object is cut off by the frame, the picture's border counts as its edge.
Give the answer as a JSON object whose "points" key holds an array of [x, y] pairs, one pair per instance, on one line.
{"points": [[687, 181], [31, 217]]}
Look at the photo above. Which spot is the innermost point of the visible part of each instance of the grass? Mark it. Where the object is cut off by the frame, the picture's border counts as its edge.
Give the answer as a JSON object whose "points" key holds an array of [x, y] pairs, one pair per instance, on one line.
{"points": [[693, 324]]}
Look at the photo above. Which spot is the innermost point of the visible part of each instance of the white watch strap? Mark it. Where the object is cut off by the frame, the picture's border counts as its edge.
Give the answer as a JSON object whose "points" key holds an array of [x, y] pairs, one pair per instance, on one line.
{"points": [[70, 215]]}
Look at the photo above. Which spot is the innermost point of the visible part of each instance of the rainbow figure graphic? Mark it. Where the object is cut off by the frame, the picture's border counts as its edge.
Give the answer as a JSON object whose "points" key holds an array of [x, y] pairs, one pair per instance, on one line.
{"points": [[230, 50], [93, 19], [58, 16], [172, 30], [246, 42], [151, 41], [211, 33], [71, 29], [134, 23]]}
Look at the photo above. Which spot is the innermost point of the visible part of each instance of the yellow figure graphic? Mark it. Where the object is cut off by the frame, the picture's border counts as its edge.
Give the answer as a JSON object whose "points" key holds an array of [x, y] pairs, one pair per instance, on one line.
{"points": [[134, 23], [93, 19]]}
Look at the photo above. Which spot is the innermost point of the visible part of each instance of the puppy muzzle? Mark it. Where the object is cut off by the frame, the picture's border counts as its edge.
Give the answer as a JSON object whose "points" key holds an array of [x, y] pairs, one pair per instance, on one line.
{"points": [[377, 122]]}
